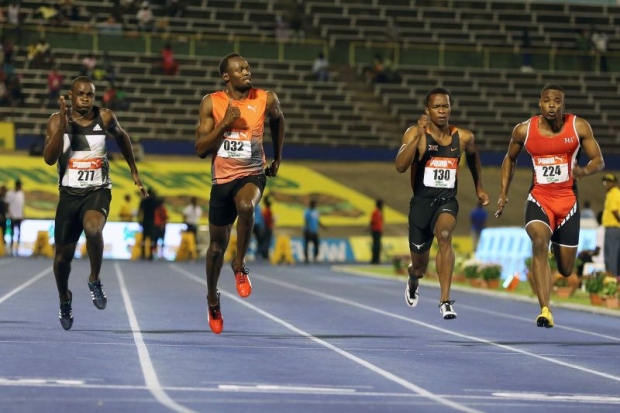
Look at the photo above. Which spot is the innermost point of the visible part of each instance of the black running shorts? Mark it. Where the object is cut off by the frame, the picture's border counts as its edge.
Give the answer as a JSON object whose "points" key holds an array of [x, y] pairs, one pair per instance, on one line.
{"points": [[71, 210], [222, 208], [423, 214]]}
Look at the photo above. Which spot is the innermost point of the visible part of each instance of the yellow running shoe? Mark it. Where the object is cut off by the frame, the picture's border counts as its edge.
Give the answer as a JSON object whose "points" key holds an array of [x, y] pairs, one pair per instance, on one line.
{"points": [[545, 319]]}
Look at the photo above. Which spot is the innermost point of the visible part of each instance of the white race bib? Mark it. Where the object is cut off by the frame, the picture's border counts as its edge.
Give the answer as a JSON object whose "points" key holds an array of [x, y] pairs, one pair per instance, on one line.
{"points": [[551, 169], [441, 172], [84, 173], [234, 147]]}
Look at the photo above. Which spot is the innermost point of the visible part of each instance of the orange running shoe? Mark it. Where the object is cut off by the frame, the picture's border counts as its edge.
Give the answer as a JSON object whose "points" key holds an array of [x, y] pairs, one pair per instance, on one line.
{"points": [[216, 321], [244, 286]]}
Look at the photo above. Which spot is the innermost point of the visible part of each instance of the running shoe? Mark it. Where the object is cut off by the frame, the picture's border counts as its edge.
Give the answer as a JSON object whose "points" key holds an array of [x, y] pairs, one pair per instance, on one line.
{"points": [[244, 286], [446, 310], [545, 319], [96, 293], [65, 314], [216, 321], [412, 292]]}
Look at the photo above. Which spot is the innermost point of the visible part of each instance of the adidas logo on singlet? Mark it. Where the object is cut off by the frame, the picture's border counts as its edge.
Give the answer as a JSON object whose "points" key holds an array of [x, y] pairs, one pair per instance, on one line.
{"points": [[97, 127]]}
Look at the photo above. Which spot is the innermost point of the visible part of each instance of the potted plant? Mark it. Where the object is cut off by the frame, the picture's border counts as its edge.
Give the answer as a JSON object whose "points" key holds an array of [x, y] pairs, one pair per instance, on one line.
{"points": [[594, 286], [491, 273], [609, 291], [470, 271], [562, 287]]}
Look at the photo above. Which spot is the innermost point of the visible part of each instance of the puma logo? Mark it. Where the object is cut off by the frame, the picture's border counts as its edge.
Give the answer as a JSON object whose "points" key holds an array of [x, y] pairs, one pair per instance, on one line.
{"points": [[252, 108]]}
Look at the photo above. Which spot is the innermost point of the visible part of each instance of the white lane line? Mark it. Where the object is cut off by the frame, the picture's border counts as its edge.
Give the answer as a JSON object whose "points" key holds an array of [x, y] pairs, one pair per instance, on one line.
{"points": [[24, 285], [432, 327], [392, 377], [148, 370]]}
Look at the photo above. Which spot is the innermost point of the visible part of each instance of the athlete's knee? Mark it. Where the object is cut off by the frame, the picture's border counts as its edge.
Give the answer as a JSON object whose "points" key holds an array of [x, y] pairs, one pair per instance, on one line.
{"points": [[540, 243], [245, 209], [92, 230], [216, 250], [444, 237]]}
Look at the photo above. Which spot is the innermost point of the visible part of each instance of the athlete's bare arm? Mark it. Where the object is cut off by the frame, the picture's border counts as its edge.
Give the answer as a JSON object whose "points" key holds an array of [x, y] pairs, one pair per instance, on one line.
{"points": [[510, 162], [410, 144], [472, 157], [210, 136], [276, 126], [591, 148], [55, 131], [114, 129]]}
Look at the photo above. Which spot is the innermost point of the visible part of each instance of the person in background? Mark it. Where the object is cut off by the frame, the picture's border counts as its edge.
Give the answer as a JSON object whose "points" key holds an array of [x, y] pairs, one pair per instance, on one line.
{"points": [[376, 231], [168, 62], [3, 209], [146, 213], [160, 221], [270, 221], [312, 223], [191, 216], [478, 218], [320, 68], [611, 223], [587, 212], [126, 213], [16, 201], [259, 229], [54, 85]]}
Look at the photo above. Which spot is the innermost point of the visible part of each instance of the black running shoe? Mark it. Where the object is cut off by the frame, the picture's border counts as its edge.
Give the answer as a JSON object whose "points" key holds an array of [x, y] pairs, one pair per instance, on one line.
{"points": [[97, 294], [65, 314]]}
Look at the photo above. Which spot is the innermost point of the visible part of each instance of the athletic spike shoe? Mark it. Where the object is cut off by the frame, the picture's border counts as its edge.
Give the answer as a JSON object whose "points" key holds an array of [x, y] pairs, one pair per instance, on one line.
{"points": [[446, 310], [216, 321], [96, 293], [242, 280], [65, 314], [412, 292], [545, 319]]}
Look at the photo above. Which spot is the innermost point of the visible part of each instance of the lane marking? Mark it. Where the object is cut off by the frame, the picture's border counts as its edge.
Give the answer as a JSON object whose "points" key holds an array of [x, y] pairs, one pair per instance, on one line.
{"points": [[148, 370], [24, 285], [384, 373], [439, 329]]}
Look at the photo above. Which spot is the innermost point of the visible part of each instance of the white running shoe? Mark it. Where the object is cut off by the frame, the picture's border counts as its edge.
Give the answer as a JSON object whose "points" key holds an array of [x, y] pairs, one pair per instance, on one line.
{"points": [[412, 296], [446, 310]]}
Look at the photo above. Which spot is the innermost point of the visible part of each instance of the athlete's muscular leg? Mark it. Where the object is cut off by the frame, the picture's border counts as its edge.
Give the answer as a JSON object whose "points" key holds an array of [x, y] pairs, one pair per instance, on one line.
{"points": [[63, 256], [93, 224], [445, 255], [540, 234], [245, 200], [565, 258], [419, 263], [219, 237]]}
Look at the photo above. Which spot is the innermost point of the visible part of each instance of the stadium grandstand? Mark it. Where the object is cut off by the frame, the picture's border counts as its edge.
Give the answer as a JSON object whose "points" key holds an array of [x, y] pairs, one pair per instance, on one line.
{"points": [[471, 47]]}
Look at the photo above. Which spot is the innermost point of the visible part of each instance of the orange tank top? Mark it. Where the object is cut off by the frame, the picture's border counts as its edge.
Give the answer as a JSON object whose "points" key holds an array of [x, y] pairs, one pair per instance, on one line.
{"points": [[241, 154], [553, 157]]}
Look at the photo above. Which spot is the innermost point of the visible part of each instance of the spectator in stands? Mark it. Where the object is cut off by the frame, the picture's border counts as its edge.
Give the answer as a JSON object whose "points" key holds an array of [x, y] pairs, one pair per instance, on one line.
{"points": [[175, 8], [478, 219], [295, 25], [584, 48], [231, 130], [526, 51], [14, 20], [379, 70], [433, 208], [110, 26], [281, 29], [320, 68], [89, 63], [40, 55], [376, 231], [15, 94], [191, 216], [611, 223], [168, 62], [109, 97], [550, 205], [7, 49], [146, 20], [600, 41], [54, 86]]}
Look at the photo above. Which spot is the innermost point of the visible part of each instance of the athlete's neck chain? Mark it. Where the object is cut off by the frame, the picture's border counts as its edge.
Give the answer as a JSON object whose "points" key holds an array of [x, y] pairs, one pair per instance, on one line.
{"points": [[81, 117]]}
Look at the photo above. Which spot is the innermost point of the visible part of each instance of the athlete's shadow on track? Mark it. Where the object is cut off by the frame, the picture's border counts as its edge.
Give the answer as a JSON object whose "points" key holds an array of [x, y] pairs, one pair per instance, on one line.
{"points": [[536, 343]]}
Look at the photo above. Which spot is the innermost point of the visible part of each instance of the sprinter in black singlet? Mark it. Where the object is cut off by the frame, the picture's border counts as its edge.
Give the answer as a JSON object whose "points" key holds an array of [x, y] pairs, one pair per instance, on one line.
{"points": [[75, 141], [432, 149]]}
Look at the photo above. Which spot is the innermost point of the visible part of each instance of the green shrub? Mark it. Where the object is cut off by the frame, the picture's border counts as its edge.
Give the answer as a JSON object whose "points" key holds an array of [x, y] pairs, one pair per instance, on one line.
{"points": [[490, 272]]}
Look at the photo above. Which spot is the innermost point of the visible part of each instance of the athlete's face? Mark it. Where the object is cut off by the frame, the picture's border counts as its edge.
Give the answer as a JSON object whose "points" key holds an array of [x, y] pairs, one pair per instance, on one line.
{"points": [[438, 109], [82, 97], [552, 105], [238, 74]]}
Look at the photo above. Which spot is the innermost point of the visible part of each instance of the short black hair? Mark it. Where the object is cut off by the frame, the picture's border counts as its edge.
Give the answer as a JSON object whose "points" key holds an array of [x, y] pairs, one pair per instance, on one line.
{"points": [[552, 86], [80, 79], [224, 62], [437, 91]]}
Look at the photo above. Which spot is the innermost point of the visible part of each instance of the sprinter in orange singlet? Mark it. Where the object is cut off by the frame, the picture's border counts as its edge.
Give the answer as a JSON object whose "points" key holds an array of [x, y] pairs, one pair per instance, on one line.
{"points": [[554, 140], [231, 131]]}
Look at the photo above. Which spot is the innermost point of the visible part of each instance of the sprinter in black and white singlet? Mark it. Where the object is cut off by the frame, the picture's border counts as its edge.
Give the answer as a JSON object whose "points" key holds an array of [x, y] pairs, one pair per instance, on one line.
{"points": [[75, 141], [432, 149]]}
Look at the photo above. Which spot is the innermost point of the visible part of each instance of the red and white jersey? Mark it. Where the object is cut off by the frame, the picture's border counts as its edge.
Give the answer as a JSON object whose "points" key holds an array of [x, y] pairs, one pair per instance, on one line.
{"points": [[553, 157]]}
